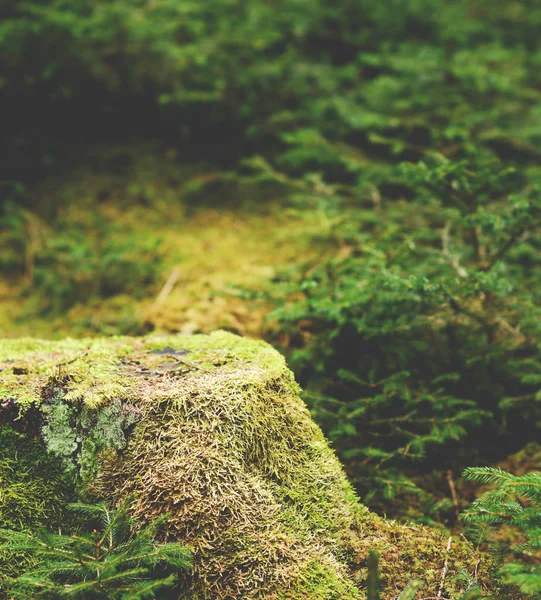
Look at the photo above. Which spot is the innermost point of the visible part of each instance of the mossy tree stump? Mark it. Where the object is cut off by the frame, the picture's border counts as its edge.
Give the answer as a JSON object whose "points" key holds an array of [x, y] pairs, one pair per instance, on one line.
{"points": [[211, 430]]}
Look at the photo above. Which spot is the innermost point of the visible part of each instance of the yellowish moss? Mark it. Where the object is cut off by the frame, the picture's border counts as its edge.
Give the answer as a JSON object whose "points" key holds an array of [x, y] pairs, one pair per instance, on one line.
{"points": [[91, 367], [319, 581], [417, 552], [96, 370], [224, 444], [206, 249]]}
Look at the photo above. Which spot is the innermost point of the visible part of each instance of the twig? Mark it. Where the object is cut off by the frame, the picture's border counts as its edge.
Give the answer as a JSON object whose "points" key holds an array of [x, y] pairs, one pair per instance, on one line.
{"points": [[445, 567], [489, 327], [478, 248], [449, 477], [514, 239], [427, 598], [168, 287], [69, 362], [376, 197], [445, 249], [188, 363], [513, 330]]}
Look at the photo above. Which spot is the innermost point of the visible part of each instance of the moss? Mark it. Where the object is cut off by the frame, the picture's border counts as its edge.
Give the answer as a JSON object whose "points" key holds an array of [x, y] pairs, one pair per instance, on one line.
{"points": [[33, 487], [29, 365], [419, 552], [320, 582], [244, 243], [95, 371], [224, 444], [34, 490]]}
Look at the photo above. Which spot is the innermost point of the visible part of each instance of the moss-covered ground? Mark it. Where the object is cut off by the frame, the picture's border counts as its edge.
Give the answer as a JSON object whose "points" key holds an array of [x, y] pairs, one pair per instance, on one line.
{"points": [[218, 437], [149, 245]]}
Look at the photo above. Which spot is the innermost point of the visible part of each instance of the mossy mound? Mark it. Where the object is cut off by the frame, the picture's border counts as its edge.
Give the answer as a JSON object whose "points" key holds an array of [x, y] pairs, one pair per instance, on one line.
{"points": [[211, 430]]}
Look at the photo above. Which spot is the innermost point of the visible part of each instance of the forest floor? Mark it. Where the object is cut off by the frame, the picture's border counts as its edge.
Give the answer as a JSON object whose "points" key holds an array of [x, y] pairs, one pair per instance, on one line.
{"points": [[196, 253], [134, 243]]}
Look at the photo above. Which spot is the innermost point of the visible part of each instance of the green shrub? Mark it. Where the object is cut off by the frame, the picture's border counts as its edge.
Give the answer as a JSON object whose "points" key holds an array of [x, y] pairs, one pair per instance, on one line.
{"points": [[73, 269], [394, 77], [420, 332], [75, 264], [399, 122]]}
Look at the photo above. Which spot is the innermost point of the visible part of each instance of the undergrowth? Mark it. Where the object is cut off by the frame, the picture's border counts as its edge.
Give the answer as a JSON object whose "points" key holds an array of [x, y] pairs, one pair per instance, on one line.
{"points": [[514, 506], [107, 560], [404, 139]]}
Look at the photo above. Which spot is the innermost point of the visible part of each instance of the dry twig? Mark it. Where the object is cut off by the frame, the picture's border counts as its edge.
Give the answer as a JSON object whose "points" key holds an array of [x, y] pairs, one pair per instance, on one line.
{"points": [[449, 477], [168, 287], [445, 567]]}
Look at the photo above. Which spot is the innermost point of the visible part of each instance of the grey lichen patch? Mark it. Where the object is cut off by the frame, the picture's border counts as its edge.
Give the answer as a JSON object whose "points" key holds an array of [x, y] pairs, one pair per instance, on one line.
{"points": [[78, 434], [223, 443]]}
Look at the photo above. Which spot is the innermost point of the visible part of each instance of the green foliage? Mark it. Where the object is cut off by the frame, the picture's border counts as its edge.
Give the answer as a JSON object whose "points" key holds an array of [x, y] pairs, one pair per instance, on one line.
{"points": [[80, 258], [99, 260], [410, 126], [386, 77], [114, 562], [513, 503], [420, 331]]}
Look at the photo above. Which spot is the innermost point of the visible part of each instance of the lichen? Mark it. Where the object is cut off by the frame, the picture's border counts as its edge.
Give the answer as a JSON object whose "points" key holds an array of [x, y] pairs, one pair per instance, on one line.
{"points": [[224, 444], [78, 433]]}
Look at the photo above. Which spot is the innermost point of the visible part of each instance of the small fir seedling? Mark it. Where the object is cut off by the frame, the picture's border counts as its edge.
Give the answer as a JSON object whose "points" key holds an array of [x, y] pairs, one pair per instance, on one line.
{"points": [[515, 502], [111, 561]]}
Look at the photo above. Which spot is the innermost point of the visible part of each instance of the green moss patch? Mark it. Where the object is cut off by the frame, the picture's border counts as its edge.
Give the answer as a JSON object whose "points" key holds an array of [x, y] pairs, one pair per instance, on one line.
{"points": [[219, 439], [34, 491], [33, 487]]}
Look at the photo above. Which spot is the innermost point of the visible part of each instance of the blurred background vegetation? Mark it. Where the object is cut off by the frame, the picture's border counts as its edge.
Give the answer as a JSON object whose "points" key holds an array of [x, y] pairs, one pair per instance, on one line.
{"points": [[356, 181]]}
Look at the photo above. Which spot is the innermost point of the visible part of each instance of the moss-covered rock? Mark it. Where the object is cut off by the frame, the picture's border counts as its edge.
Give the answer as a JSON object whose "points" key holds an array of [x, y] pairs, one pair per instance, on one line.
{"points": [[211, 430]]}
